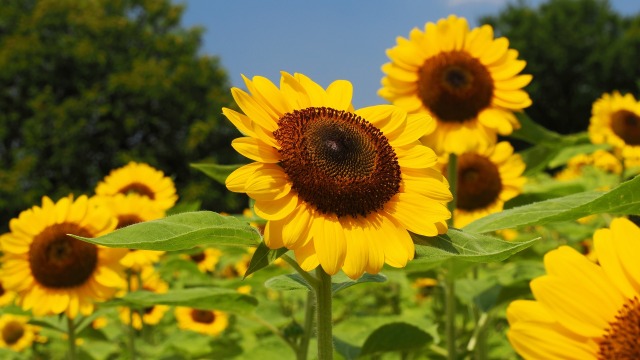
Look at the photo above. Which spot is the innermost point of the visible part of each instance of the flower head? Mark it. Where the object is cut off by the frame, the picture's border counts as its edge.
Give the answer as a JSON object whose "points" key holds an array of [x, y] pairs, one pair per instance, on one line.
{"points": [[15, 332], [465, 79], [141, 179], [615, 120], [53, 272], [209, 322], [339, 187], [584, 310]]}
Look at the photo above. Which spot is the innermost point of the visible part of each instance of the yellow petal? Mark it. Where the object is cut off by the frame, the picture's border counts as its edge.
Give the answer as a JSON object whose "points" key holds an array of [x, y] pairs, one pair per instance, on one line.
{"points": [[329, 243], [357, 255], [339, 95], [256, 150], [236, 181], [240, 121], [398, 245], [276, 209], [254, 110], [417, 213], [307, 257], [416, 157], [268, 183]]}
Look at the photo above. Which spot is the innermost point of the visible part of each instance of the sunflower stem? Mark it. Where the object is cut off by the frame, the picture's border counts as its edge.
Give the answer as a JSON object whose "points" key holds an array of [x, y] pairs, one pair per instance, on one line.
{"points": [[450, 281], [324, 317], [71, 335]]}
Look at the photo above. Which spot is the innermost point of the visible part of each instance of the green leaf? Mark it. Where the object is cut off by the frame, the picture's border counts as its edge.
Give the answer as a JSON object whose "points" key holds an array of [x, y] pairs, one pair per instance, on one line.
{"points": [[465, 246], [57, 323], [217, 172], [262, 257], [348, 351], [623, 200], [567, 153], [395, 337], [532, 132], [288, 282], [181, 231], [198, 298], [341, 281]]}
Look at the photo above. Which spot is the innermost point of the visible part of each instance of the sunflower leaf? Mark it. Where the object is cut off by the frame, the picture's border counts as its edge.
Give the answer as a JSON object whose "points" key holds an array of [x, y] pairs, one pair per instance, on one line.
{"points": [[465, 246], [203, 298], [532, 132], [288, 282], [339, 285], [217, 172], [398, 336], [262, 257], [622, 200], [181, 231]]}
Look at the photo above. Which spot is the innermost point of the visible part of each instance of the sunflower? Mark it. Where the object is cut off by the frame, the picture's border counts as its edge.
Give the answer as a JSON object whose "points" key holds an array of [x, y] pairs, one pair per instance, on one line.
{"points": [[131, 209], [615, 120], [53, 272], [337, 186], [584, 310], [142, 179], [151, 315], [209, 322], [466, 80], [486, 179], [206, 260], [15, 333], [600, 159]]}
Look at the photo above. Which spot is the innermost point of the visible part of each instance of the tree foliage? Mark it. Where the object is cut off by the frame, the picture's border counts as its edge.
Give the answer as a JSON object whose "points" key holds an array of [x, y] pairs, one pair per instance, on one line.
{"points": [[86, 86], [576, 50]]}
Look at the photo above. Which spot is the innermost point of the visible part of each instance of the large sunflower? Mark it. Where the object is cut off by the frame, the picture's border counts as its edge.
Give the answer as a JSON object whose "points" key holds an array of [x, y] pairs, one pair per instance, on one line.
{"points": [[15, 332], [466, 80], [615, 120], [339, 187], [486, 179], [209, 322], [131, 209], [142, 179], [584, 310], [53, 272]]}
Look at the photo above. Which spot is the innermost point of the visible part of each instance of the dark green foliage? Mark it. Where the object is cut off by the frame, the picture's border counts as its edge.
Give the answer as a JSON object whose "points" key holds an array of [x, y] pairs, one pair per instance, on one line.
{"points": [[576, 50], [87, 86]]}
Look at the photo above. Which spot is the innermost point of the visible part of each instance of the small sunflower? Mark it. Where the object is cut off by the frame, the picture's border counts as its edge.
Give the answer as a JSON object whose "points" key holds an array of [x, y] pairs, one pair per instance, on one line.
{"points": [[208, 322], [53, 272], [486, 180], [15, 332], [584, 310], [332, 182], [151, 315], [206, 260], [142, 179], [131, 209], [466, 80], [600, 159], [615, 120]]}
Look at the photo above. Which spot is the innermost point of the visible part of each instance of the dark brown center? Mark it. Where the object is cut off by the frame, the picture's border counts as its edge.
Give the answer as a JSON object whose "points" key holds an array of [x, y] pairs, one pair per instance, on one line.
{"points": [[128, 219], [626, 125], [12, 332], [197, 258], [60, 261], [203, 316], [621, 338], [337, 161], [138, 188], [2, 291], [455, 86], [479, 182]]}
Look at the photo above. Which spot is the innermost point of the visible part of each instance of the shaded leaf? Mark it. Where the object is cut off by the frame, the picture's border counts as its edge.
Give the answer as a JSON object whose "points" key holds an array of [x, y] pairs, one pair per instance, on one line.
{"points": [[624, 199], [199, 298], [288, 282], [395, 337], [217, 172], [348, 351], [338, 284], [532, 132], [181, 231], [262, 257], [58, 323], [465, 246]]}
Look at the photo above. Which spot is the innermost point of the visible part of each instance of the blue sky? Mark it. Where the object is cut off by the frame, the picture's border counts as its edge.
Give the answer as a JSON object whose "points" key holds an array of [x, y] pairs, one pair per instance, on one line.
{"points": [[325, 40]]}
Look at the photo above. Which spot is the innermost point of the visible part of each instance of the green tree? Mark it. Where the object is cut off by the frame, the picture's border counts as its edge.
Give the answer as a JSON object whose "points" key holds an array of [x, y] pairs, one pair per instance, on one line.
{"points": [[576, 50], [86, 86]]}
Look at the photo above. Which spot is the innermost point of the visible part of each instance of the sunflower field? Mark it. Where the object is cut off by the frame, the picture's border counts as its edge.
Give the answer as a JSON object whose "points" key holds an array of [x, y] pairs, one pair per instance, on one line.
{"points": [[443, 223]]}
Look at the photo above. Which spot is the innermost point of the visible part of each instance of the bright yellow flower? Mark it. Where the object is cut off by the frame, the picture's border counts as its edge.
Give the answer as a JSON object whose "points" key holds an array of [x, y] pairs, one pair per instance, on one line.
{"points": [[615, 120], [206, 260], [465, 79], [53, 272], [600, 159], [15, 333], [131, 209], [141, 179], [486, 180], [584, 310], [337, 186], [209, 322]]}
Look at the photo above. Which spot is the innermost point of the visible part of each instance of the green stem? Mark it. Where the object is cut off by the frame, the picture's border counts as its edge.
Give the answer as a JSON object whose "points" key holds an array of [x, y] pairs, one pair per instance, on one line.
{"points": [[71, 334], [132, 331], [324, 317], [303, 349], [475, 341], [450, 283]]}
